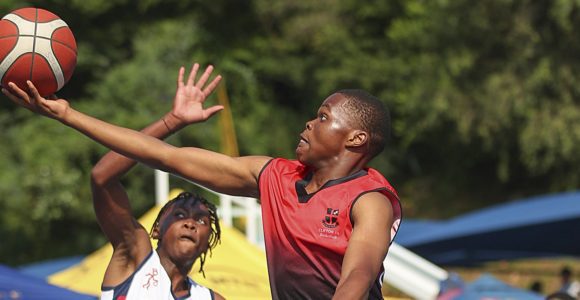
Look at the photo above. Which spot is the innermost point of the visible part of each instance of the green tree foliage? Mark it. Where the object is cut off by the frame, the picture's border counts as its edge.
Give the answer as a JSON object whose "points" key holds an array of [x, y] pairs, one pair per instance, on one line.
{"points": [[493, 83], [483, 97]]}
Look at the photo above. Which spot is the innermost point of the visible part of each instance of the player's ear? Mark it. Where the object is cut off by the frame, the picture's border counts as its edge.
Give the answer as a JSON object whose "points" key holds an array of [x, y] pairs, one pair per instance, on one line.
{"points": [[358, 138], [155, 234]]}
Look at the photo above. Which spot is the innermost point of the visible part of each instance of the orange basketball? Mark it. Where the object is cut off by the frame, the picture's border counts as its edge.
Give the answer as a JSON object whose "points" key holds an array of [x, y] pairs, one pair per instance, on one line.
{"points": [[36, 45]]}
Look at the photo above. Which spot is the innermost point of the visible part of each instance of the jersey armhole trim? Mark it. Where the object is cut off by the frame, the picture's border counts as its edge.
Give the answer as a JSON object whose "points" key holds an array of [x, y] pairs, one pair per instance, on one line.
{"points": [[108, 288], [260, 176], [388, 192]]}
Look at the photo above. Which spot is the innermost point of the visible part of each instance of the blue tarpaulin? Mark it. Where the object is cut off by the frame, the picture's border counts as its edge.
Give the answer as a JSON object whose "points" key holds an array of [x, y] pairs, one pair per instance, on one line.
{"points": [[15, 285], [544, 226], [46, 268], [487, 287]]}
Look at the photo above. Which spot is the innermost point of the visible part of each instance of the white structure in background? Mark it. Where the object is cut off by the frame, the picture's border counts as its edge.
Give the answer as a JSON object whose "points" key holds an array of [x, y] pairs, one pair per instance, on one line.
{"points": [[408, 272], [230, 207], [161, 187], [412, 274]]}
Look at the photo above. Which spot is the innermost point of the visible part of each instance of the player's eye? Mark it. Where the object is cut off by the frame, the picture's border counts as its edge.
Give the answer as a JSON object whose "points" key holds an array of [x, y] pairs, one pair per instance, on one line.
{"points": [[322, 117], [201, 221], [179, 215]]}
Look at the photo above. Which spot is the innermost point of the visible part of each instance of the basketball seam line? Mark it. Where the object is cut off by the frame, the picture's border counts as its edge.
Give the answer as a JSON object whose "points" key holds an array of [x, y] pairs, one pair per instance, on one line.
{"points": [[33, 45], [34, 36], [40, 37]]}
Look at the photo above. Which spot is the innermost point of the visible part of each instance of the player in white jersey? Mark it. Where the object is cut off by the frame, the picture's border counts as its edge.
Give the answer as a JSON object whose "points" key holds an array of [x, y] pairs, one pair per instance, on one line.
{"points": [[186, 227], [151, 280]]}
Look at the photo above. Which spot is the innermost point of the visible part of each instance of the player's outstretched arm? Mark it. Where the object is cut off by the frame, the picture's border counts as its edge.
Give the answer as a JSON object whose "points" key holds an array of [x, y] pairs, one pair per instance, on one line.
{"points": [[367, 248], [237, 176]]}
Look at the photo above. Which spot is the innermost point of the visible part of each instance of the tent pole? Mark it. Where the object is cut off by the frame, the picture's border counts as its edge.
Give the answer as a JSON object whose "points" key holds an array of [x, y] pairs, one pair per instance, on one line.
{"points": [[161, 187]]}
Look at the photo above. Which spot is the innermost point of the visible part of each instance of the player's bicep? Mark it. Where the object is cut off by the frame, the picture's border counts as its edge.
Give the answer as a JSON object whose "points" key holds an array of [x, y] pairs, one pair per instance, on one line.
{"points": [[113, 212], [372, 216]]}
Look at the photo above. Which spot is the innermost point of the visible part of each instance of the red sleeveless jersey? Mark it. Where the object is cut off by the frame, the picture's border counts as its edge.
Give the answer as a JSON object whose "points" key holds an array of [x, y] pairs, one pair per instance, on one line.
{"points": [[306, 235]]}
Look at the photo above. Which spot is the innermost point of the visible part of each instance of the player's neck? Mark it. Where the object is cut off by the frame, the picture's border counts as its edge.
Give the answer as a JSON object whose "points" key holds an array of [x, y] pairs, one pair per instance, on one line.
{"points": [[323, 175], [180, 288], [174, 269]]}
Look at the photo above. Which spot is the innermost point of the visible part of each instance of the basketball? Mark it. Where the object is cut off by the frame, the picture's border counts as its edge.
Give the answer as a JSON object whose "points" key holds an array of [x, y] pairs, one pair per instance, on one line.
{"points": [[36, 45]]}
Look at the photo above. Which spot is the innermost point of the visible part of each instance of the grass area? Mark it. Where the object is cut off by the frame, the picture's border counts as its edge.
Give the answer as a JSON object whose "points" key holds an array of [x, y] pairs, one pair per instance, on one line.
{"points": [[519, 273]]}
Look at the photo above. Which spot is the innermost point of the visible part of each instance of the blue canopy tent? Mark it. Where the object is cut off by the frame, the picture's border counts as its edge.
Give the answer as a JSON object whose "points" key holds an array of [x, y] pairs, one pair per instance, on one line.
{"points": [[535, 227], [489, 287], [15, 285], [46, 268]]}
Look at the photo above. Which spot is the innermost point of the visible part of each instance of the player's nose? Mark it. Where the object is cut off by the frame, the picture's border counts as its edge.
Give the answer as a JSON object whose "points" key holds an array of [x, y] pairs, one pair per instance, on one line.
{"points": [[189, 224]]}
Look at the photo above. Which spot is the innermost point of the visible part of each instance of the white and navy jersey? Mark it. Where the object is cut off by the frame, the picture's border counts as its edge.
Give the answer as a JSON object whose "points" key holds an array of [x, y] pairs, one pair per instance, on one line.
{"points": [[150, 281]]}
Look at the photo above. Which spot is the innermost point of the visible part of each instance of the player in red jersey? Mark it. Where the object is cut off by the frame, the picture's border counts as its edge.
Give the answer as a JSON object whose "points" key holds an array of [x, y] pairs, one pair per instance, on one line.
{"points": [[328, 218]]}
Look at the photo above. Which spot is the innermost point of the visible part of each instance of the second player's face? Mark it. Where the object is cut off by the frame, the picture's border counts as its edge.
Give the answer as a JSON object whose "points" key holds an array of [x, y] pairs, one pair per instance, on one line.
{"points": [[324, 137], [185, 230]]}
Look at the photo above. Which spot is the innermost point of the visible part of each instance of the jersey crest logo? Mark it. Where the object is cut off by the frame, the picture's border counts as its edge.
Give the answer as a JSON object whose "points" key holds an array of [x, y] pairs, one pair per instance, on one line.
{"points": [[151, 279], [331, 218]]}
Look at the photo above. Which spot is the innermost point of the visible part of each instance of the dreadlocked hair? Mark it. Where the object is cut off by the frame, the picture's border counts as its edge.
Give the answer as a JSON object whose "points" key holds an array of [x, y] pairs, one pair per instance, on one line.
{"points": [[215, 235]]}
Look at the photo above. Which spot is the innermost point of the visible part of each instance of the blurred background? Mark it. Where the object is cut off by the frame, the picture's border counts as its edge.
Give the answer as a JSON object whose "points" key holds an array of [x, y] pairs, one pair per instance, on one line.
{"points": [[484, 100]]}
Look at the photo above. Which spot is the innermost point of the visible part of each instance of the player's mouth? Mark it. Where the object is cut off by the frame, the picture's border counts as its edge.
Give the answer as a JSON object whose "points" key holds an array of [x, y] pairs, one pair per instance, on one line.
{"points": [[302, 140], [186, 237]]}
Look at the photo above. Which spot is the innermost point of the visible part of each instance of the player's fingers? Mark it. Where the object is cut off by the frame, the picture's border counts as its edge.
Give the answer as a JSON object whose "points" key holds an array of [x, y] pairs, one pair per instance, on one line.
{"points": [[204, 77], [180, 76], [212, 85], [34, 92], [18, 93], [210, 111], [18, 96], [15, 98], [192, 74]]}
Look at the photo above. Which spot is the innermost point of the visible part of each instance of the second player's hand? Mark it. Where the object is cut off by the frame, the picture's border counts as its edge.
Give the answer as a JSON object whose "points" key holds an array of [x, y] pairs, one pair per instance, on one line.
{"points": [[190, 96], [54, 108]]}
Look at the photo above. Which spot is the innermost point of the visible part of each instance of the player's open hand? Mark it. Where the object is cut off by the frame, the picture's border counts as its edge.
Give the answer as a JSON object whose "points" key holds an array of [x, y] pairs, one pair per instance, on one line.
{"points": [[190, 96], [53, 108]]}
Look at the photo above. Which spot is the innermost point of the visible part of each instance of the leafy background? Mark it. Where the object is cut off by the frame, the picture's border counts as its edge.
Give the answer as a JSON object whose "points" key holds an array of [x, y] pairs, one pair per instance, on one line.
{"points": [[483, 95]]}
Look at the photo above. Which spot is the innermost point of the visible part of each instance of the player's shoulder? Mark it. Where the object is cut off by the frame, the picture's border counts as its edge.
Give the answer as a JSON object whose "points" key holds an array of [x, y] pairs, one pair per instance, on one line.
{"points": [[378, 177], [371, 207], [372, 203], [282, 164], [374, 198]]}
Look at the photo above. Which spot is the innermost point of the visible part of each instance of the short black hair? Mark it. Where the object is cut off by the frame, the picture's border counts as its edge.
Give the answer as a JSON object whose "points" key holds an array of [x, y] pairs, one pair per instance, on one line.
{"points": [[215, 234], [566, 271], [368, 113]]}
